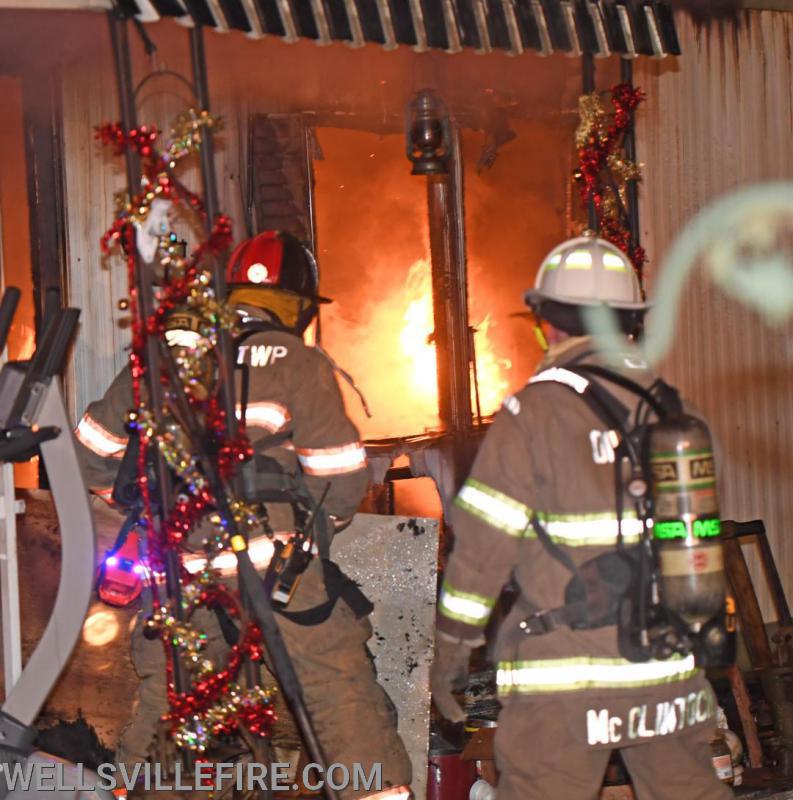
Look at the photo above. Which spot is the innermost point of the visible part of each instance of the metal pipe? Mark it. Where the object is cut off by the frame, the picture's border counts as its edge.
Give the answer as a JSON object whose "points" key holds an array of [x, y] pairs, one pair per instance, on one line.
{"points": [[588, 85], [225, 346], [144, 281], [225, 354], [207, 151], [433, 147], [450, 310]]}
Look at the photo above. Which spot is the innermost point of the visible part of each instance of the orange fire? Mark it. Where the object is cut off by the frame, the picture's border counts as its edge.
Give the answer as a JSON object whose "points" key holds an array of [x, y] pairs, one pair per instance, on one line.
{"points": [[491, 371], [419, 351], [389, 352]]}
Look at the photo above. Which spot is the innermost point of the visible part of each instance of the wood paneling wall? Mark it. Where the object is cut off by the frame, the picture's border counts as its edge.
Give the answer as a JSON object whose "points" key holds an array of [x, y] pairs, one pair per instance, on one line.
{"points": [[718, 118]]}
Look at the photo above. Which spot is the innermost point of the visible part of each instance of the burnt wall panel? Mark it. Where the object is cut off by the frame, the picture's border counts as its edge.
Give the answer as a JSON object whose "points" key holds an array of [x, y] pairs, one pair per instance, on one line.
{"points": [[282, 182]]}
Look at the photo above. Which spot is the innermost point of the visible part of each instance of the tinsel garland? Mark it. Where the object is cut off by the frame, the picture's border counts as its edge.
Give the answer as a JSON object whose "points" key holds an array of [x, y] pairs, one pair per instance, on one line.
{"points": [[215, 705], [603, 170]]}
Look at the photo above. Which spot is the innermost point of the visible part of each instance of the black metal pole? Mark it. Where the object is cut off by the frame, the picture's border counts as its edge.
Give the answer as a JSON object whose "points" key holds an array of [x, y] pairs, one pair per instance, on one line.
{"points": [[144, 280], [201, 84], [225, 347], [632, 186], [588, 85], [209, 181]]}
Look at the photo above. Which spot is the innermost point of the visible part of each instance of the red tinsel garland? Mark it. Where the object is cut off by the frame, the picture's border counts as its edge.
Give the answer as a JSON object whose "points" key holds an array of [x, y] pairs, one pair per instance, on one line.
{"points": [[593, 157], [256, 715], [207, 691]]}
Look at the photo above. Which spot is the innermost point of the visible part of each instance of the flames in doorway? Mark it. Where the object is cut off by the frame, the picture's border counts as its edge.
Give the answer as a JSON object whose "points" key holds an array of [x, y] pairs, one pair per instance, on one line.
{"points": [[391, 354]]}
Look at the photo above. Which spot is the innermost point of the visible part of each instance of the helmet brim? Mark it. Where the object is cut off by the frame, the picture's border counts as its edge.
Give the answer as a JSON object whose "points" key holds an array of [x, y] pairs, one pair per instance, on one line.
{"points": [[535, 297], [315, 297]]}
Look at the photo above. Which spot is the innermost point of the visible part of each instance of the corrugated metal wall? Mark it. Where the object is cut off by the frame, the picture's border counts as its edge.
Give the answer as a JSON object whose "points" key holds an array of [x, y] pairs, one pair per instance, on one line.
{"points": [[718, 118], [93, 176]]}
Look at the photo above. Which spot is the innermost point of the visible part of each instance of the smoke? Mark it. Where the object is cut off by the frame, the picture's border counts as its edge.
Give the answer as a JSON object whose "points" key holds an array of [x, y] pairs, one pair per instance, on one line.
{"points": [[744, 243]]}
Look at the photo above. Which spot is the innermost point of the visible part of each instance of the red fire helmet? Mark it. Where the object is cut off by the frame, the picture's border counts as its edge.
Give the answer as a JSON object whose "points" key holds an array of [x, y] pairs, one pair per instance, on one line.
{"points": [[276, 259]]}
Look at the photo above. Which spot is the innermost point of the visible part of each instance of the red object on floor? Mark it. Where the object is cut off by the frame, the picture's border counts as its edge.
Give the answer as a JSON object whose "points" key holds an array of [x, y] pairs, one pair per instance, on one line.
{"points": [[120, 582], [450, 778]]}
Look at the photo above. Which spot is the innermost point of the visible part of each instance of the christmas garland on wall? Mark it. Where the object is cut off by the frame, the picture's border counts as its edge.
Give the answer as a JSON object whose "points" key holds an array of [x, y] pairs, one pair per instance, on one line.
{"points": [[215, 704], [603, 169]]}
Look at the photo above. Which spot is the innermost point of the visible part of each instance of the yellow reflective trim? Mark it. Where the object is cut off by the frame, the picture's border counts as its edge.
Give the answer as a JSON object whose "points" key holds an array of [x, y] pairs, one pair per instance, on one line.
{"points": [[553, 262], [467, 607], [578, 259], [613, 262], [493, 507], [588, 672]]}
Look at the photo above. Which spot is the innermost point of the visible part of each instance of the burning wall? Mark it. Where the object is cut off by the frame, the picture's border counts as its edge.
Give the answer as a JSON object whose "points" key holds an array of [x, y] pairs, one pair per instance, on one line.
{"points": [[373, 247], [371, 212]]}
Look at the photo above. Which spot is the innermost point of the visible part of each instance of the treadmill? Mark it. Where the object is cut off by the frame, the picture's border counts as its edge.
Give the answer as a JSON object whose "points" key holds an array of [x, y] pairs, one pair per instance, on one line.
{"points": [[33, 421]]}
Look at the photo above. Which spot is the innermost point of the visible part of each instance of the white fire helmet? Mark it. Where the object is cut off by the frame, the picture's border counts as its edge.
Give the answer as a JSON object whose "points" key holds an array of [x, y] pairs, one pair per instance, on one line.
{"points": [[586, 271]]}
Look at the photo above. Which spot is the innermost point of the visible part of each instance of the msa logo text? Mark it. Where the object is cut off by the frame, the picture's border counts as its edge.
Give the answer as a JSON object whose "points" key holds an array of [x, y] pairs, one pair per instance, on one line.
{"points": [[703, 468], [261, 355]]}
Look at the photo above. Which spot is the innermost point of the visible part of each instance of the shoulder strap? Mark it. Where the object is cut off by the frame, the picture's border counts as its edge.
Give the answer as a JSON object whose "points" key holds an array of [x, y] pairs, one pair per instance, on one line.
{"points": [[255, 326], [661, 397]]}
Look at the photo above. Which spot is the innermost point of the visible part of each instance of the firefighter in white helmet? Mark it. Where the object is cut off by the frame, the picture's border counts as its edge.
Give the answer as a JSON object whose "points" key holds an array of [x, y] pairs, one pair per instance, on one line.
{"points": [[296, 421], [539, 506]]}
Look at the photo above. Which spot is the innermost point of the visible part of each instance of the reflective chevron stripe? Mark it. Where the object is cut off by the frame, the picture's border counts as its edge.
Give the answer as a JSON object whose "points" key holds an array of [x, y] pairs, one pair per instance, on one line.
{"points": [[561, 375], [270, 416], [332, 460], [573, 530], [494, 507], [100, 440], [589, 530], [577, 674], [472, 609], [260, 550]]}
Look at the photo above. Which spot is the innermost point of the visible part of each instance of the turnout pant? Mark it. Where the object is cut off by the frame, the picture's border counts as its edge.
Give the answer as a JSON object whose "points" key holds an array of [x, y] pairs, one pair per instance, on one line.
{"points": [[539, 758], [353, 716]]}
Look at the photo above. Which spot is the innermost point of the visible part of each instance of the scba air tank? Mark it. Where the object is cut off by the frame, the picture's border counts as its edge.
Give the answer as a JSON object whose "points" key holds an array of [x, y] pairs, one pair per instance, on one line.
{"points": [[686, 524]]}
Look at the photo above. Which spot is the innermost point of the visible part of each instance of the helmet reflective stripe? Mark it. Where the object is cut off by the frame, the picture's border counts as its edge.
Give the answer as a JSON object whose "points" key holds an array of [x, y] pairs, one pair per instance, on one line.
{"points": [[613, 262], [561, 375], [270, 416], [100, 440], [578, 259], [332, 460], [494, 507], [467, 607], [577, 674]]}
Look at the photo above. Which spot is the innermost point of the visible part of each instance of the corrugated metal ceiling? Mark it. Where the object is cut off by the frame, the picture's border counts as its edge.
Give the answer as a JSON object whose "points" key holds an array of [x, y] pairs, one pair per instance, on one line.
{"points": [[574, 27]]}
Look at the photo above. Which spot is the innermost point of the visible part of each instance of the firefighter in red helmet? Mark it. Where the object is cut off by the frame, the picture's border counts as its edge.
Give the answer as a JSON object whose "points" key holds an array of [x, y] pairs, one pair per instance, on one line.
{"points": [[275, 271], [288, 394]]}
